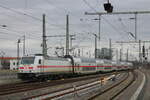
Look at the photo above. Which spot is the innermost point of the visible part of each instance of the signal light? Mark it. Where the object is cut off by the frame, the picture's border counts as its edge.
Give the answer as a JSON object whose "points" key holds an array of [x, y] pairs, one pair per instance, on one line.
{"points": [[108, 7]]}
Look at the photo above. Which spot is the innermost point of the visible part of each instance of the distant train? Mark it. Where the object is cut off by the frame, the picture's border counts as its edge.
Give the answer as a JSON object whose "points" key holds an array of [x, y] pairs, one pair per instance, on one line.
{"points": [[38, 67]]}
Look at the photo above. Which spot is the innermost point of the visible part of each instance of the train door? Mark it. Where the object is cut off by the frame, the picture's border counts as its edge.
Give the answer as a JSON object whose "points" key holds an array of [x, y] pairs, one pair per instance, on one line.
{"points": [[40, 64], [76, 67]]}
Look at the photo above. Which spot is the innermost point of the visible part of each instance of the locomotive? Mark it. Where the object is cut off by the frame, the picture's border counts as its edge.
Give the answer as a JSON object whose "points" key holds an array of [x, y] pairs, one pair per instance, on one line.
{"points": [[44, 68]]}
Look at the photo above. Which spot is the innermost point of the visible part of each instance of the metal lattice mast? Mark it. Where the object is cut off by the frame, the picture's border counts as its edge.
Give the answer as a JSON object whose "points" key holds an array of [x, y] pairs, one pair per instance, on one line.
{"points": [[44, 45], [67, 34]]}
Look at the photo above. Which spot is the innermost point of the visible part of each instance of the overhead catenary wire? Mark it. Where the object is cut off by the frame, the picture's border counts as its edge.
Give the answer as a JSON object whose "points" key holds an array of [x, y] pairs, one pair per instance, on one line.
{"points": [[31, 35], [18, 12], [113, 27], [15, 33], [2, 38], [63, 9], [89, 5], [25, 14], [124, 28], [50, 3], [21, 14], [103, 18]]}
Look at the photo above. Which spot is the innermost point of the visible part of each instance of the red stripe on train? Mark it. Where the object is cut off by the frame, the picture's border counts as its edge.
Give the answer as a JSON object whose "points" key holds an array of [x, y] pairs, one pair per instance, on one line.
{"points": [[25, 67], [21, 67], [71, 66], [30, 67]]}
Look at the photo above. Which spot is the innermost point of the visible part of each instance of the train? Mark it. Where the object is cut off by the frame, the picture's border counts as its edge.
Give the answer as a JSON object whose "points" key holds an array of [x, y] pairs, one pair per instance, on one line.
{"points": [[38, 67]]}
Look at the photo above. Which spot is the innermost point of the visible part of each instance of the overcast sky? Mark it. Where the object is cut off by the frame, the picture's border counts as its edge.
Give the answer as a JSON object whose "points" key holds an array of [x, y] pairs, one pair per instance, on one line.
{"points": [[23, 17]]}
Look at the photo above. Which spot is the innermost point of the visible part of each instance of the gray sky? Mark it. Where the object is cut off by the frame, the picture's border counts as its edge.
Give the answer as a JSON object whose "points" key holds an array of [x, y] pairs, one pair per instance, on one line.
{"points": [[12, 14]]}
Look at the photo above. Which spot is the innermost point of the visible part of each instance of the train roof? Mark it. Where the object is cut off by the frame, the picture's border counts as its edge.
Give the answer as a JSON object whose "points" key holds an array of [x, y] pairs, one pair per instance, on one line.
{"points": [[47, 57], [107, 61], [57, 58], [89, 60]]}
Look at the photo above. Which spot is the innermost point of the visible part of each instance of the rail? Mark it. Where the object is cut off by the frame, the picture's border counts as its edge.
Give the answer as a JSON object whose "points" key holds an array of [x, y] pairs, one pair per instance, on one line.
{"points": [[23, 87], [67, 91], [114, 86]]}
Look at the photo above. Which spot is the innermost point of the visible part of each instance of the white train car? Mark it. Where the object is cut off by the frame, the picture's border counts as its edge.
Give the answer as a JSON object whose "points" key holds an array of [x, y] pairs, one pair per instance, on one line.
{"points": [[38, 67], [107, 66], [114, 65], [85, 65], [100, 65]]}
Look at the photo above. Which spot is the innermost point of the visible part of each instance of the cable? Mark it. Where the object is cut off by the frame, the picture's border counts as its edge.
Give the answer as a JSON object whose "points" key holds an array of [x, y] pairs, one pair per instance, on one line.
{"points": [[15, 32], [24, 14], [89, 5], [120, 20], [4, 38], [112, 26], [103, 17], [18, 12], [50, 3], [3, 33], [124, 28]]}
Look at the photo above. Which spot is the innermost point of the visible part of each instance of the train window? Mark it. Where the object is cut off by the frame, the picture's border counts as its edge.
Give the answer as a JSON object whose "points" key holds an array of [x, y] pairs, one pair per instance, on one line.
{"points": [[17, 63], [27, 60], [39, 61], [78, 67]]}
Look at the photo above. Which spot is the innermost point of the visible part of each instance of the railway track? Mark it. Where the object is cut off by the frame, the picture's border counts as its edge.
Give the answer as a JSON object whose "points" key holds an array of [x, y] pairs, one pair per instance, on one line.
{"points": [[113, 91], [71, 91], [22, 87], [63, 94]]}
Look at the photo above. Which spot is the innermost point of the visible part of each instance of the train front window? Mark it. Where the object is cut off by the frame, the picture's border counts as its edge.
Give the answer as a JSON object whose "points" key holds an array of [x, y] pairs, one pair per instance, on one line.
{"points": [[27, 60]]}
